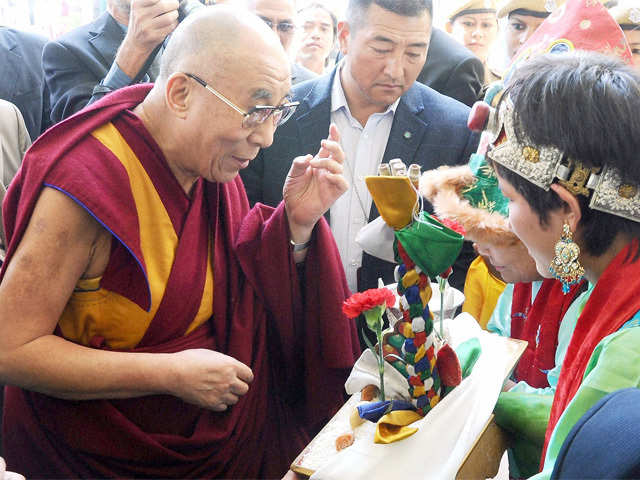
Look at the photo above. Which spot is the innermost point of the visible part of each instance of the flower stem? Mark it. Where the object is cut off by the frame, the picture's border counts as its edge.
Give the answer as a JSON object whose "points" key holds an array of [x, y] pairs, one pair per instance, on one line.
{"points": [[380, 361], [442, 285]]}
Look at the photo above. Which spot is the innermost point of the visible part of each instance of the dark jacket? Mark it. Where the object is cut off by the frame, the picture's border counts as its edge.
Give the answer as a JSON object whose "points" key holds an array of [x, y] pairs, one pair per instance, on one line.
{"points": [[78, 61], [452, 69], [22, 79]]}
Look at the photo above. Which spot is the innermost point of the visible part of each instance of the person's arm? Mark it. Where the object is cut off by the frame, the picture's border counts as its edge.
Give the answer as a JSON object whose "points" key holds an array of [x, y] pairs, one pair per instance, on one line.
{"points": [[15, 140], [500, 321], [312, 186], [614, 365], [466, 80], [61, 243], [150, 22], [71, 79]]}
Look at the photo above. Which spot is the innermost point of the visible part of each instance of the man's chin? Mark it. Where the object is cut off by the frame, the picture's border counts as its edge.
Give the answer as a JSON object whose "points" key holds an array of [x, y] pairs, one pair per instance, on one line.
{"points": [[223, 177], [389, 98]]}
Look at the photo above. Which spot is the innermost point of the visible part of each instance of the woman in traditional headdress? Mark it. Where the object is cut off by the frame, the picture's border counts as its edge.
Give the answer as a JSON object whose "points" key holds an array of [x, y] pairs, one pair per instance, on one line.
{"points": [[567, 161], [523, 17]]}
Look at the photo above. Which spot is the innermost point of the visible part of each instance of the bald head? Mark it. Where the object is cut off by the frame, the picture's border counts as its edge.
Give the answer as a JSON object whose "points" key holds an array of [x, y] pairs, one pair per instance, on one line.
{"points": [[217, 39]]}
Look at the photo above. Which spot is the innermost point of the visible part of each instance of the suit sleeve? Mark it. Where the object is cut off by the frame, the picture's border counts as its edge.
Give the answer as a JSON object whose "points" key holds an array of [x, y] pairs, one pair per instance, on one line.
{"points": [[470, 148], [69, 81], [466, 80]]}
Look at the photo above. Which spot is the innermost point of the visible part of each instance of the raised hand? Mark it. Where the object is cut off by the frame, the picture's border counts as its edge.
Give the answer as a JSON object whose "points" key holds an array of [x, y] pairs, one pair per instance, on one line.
{"points": [[150, 21], [210, 379], [313, 185]]}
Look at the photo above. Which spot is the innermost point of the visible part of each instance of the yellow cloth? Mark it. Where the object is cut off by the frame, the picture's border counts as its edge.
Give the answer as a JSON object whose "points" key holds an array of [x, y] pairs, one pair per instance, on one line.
{"points": [[93, 311], [393, 426], [457, 7], [481, 292], [395, 198]]}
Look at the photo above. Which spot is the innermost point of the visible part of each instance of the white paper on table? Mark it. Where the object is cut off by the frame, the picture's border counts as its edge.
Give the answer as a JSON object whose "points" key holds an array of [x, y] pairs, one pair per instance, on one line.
{"points": [[445, 435]]}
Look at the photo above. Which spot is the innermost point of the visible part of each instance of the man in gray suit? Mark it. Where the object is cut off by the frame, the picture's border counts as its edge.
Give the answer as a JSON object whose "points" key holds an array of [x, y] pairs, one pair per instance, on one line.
{"points": [[22, 79], [106, 54], [381, 112]]}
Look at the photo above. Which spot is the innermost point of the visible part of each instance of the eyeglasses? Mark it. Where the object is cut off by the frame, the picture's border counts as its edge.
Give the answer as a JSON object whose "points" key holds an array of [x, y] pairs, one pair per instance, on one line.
{"points": [[283, 27], [259, 113]]}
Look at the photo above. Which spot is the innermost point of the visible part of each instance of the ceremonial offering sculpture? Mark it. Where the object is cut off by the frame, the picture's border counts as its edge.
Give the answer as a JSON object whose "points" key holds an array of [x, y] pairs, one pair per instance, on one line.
{"points": [[425, 249]]}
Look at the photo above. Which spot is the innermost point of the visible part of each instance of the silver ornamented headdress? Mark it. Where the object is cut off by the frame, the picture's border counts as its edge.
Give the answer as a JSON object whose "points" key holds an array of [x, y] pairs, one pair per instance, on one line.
{"points": [[541, 165]]}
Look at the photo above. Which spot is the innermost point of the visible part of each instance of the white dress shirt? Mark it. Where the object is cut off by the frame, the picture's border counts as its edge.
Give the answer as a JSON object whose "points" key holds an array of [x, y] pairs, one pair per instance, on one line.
{"points": [[364, 148]]}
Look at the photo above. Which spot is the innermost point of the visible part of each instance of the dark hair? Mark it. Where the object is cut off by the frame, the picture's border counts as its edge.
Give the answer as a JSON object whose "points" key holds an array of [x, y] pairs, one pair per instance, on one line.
{"points": [[528, 13], [473, 11], [334, 19], [357, 9], [587, 105]]}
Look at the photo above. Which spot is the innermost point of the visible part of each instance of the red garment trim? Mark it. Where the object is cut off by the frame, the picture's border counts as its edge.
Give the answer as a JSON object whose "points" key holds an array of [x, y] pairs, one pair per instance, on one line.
{"points": [[538, 324], [613, 302]]}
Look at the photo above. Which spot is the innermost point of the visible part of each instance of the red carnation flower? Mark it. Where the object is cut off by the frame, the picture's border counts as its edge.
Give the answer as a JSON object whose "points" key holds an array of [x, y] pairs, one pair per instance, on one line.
{"points": [[361, 302], [372, 303]]}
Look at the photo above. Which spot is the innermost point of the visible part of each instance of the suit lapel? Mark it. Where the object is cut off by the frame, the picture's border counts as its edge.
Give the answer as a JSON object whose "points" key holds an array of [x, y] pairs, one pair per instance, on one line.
{"points": [[313, 123], [106, 36], [407, 129]]}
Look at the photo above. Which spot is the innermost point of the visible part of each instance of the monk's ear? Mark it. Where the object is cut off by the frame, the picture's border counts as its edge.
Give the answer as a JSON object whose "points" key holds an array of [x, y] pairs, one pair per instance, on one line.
{"points": [[344, 36], [178, 94]]}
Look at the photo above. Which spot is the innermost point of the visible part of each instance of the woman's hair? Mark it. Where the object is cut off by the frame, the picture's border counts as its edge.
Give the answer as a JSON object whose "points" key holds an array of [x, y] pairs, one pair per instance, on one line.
{"points": [[588, 106]]}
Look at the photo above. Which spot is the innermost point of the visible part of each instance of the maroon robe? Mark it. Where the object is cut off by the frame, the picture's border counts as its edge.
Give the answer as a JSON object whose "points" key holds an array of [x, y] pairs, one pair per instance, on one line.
{"points": [[300, 354]]}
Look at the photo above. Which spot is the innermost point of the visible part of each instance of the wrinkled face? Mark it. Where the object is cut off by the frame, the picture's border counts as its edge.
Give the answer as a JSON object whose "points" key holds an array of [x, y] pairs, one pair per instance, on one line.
{"points": [[518, 30], [385, 54], [633, 38], [279, 15], [511, 260], [316, 33], [476, 31], [539, 240], [214, 138]]}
